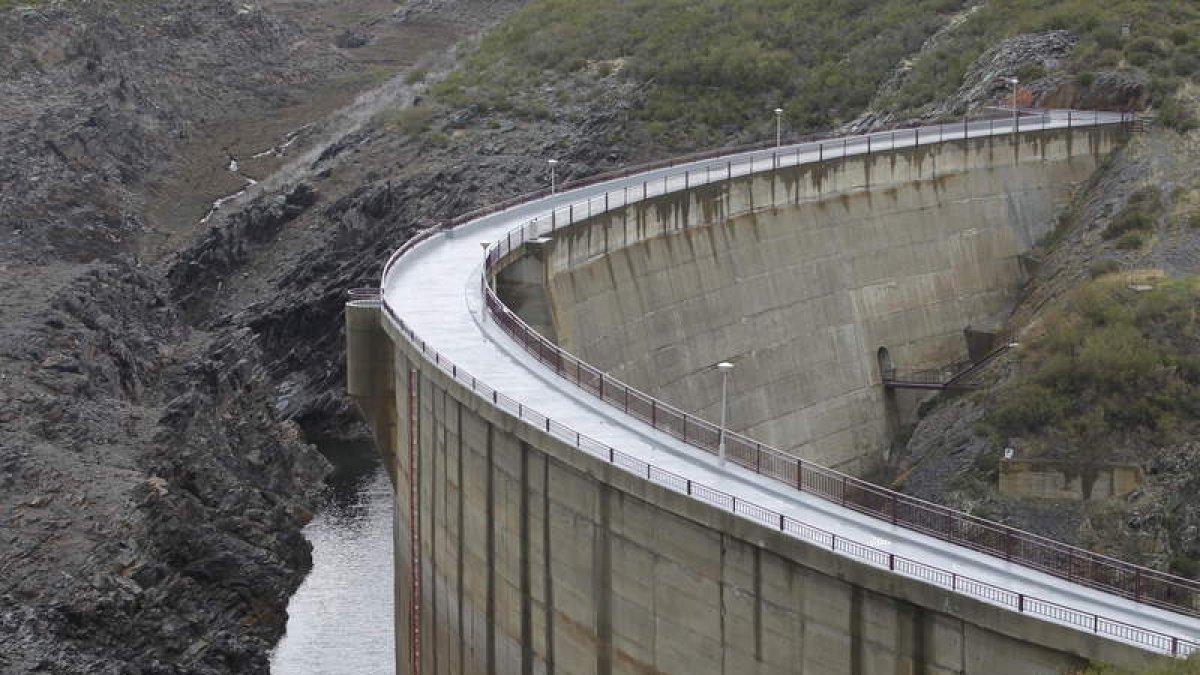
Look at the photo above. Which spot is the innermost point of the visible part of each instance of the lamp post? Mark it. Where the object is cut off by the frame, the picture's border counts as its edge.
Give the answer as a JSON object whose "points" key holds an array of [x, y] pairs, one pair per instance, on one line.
{"points": [[724, 367], [778, 127], [553, 185], [1014, 82]]}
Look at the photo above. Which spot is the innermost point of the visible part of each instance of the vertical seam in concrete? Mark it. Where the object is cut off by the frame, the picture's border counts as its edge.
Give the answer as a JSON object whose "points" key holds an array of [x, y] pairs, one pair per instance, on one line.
{"points": [[721, 604], [490, 520], [547, 581], [526, 584], [462, 632], [918, 627], [758, 605], [439, 424], [602, 583], [856, 630]]}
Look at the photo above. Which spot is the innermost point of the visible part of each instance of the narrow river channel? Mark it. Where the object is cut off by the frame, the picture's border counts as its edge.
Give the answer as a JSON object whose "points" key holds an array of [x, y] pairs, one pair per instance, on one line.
{"points": [[340, 619]]}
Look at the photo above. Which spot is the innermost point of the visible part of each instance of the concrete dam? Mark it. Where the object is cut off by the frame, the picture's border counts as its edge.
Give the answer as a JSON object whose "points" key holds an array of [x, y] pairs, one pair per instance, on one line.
{"points": [[565, 503]]}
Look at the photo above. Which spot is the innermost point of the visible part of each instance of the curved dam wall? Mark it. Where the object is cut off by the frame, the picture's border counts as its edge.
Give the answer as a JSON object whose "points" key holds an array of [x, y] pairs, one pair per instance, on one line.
{"points": [[799, 276], [517, 553]]}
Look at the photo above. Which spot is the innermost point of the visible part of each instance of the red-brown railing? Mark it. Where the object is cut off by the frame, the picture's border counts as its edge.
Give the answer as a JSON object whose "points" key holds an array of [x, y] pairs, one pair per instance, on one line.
{"points": [[1074, 564]]}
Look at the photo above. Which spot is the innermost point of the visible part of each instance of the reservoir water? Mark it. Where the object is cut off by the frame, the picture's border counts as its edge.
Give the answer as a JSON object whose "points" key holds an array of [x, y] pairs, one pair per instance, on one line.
{"points": [[340, 619]]}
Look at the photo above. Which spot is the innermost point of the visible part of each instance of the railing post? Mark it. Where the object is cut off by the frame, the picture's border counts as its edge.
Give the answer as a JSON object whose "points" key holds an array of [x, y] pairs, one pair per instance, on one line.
{"points": [[1137, 585], [1174, 646], [1021, 603], [570, 214], [800, 475], [729, 169], [916, 136], [601, 386], [689, 487], [966, 132], [868, 144], [758, 457], [654, 413], [893, 508], [685, 418], [781, 522], [843, 490], [820, 152], [687, 179], [892, 562]]}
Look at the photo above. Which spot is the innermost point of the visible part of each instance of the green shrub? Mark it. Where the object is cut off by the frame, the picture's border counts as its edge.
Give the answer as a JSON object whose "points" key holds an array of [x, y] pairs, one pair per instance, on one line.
{"points": [[1130, 241], [1085, 79], [1028, 72], [413, 120], [1026, 408], [1139, 215], [1103, 267], [1175, 114]]}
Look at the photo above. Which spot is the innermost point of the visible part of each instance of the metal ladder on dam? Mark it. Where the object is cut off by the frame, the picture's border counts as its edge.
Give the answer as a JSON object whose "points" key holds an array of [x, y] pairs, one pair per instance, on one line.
{"points": [[966, 373]]}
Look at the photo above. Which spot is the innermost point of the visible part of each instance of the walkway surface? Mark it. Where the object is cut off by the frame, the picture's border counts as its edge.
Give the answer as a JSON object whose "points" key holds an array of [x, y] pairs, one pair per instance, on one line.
{"points": [[435, 290]]}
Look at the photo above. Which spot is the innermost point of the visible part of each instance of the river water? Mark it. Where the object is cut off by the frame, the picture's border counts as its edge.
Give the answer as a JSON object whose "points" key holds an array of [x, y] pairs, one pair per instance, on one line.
{"points": [[340, 619]]}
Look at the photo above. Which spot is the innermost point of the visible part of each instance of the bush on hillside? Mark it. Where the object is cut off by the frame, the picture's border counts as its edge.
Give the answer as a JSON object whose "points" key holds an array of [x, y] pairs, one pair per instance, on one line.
{"points": [[1112, 361]]}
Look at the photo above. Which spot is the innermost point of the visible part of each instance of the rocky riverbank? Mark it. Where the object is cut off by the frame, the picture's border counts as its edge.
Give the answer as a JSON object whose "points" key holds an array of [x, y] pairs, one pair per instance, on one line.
{"points": [[154, 475]]}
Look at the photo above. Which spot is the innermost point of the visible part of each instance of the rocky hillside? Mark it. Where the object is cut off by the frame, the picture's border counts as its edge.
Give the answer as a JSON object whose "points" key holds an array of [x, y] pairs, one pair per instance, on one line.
{"points": [[152, 482]]}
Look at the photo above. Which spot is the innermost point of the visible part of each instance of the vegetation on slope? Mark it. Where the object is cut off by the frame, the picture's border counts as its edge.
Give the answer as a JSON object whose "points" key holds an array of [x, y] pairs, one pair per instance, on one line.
{"points": [[1117, 361], [1162, 41], [714, 66], [713, 70]]}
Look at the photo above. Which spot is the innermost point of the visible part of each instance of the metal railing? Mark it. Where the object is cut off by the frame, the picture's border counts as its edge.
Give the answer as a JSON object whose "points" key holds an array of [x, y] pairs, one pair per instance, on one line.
{"points": [[1077, 565]]}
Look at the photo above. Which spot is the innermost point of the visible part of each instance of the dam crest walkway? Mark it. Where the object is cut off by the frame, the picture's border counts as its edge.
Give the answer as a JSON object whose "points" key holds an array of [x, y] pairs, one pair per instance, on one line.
{"points": [[433, 294]]}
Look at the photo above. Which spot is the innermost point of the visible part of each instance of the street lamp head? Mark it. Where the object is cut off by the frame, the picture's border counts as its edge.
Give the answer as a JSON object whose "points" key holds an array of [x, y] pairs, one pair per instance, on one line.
{"points": [[485, 245], [1012, 80], [725, 366], [552, 161], [779, 111]]}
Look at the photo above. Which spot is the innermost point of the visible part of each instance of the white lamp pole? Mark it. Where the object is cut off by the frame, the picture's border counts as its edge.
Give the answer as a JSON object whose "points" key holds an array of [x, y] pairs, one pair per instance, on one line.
{"points": [[724, 367], [778, 127], [553, 185], [1014, 82]]}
